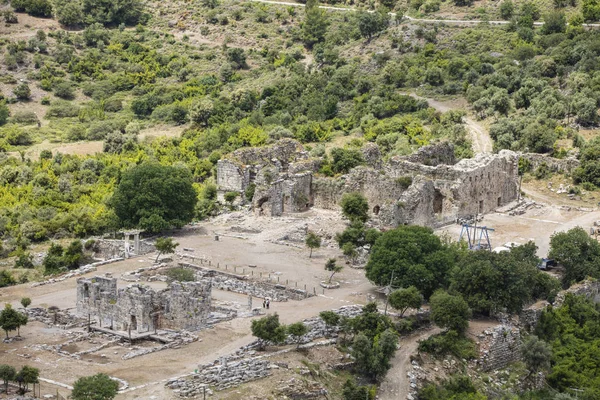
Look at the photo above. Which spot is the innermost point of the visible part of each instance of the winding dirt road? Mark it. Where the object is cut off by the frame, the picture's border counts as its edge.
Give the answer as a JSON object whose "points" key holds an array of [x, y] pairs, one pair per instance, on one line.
{"points": [[464, 22], [482, 142], [396, 385]]}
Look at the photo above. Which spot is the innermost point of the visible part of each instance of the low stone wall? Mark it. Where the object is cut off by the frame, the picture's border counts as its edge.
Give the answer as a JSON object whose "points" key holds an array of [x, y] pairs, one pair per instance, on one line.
{"points": [[318, 329], [84, 269], [246, 364], [241, 284]]}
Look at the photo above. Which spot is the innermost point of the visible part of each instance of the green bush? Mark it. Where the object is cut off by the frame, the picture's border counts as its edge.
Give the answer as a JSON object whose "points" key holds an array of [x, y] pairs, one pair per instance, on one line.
{"points": [[62, 109], [181, 274], [24, 118], [22, 92], [404, 181], [449, 343], [64, 90]]}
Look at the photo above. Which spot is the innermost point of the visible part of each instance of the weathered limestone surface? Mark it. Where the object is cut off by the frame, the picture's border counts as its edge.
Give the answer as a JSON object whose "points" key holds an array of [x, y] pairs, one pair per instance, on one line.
{"points": [[441, 189], [184, 305]]}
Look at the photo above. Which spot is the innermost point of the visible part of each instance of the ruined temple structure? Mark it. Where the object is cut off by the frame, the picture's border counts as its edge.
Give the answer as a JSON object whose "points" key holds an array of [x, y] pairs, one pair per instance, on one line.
{"points": [[427, 188], [184, 305]]}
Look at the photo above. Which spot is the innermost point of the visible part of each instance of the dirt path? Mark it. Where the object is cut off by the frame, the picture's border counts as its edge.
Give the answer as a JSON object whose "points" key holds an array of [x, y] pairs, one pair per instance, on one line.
{"points": [[463, 22], [482, 142], [396, 385]]}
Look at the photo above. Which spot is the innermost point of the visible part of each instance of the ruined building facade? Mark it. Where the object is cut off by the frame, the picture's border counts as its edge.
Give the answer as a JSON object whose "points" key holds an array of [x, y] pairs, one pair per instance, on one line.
{"points": [[427, 188], [184, 305]]}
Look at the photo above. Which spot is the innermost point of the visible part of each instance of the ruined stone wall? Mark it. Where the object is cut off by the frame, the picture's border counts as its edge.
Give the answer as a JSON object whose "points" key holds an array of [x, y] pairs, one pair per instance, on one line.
{"points": [[381, 190], [501, 347], [563, 165], [231, 176], [441, 189], [285, 150], [114, 248], [181, 306], [239, 284], [530, 316], [437, 154]]}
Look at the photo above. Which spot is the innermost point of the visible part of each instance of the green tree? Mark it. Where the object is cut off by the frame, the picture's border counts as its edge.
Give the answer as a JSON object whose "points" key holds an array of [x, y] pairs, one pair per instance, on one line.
{"points": [[345, 159], [355, 207], [113, 12], [591, 10], [297, 330], [155, 197], [6, 279], [554, 22], [315, 24], [22, 91], [507, 9], [165, 245], [7, 374], [73, 254], [415, 256], [536, 354], [332, 267], [4, 112], [268, 329], [313, 241], [372, 356], [69, 12], [64, 90], [371, 23], [352, 391], [95, 387], [450, 312], [330, 318], [39, 8], [10, 319], [506, 281], [180, 274], [403, 299], [23, 320], [25, 302], [201, 111], [26, 376], [578, 253]]}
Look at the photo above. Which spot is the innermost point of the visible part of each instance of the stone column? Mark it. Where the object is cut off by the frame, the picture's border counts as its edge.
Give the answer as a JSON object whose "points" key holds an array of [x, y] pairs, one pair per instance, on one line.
{"points": [[126, 245], [136, 243]]}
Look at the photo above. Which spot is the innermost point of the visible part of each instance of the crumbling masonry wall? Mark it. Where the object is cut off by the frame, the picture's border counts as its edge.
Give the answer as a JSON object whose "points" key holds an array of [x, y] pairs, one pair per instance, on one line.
{"points": [[427, 188], [184, 305]]}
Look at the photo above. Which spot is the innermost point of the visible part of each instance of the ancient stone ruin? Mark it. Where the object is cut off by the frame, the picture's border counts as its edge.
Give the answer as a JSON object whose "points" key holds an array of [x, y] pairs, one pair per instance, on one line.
{"points": [[427, 188], [184, 305]]}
